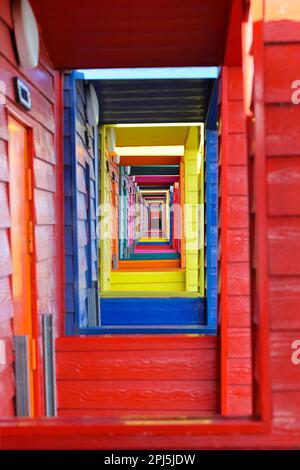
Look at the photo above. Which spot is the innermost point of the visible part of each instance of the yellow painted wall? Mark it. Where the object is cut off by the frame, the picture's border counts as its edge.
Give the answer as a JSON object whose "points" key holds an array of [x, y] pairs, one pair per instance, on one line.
{"points": [[201, 215], [105, 225], [191, 219], [159, 281]]}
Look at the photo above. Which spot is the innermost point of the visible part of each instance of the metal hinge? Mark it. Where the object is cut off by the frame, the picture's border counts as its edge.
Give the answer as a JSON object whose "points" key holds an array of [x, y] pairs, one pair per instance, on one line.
{"points": [[29, 184], [30, 236]]}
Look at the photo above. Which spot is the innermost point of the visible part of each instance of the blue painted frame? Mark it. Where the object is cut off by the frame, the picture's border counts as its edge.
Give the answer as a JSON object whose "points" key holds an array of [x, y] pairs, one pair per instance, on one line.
{"points": [[76, 318], [211, 209], [72, 266], [209, 326], [211, 191]]}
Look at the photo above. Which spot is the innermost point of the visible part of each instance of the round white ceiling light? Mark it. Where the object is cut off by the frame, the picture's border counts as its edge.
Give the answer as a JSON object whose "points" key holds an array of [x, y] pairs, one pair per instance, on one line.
{"points": [[26, 33], [92, 105]]}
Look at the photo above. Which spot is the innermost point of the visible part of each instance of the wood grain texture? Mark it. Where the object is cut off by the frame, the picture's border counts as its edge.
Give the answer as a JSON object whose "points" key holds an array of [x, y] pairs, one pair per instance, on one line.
{"points": [[44, 207], [240, 400], [236, 145], [5, 258], [238, 212], [45, 242], [6, 304], [138, 394], [280, 60], [283, 185], [4, 176], [4, 210], [238, 280], [136, 342], [282, 129], [239, 310], [238, 245], [126, 375], [284, 245], [237, 180], [236, 118], [44, 175], [239, 342], [138, 365], [286, 413], [284, 302]]}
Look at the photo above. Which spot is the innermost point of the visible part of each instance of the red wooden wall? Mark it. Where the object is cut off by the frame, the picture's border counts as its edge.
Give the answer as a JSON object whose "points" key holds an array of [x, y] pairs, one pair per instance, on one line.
{"points": [[236, 354], [282, 144], [47, 192], [138, 376]]}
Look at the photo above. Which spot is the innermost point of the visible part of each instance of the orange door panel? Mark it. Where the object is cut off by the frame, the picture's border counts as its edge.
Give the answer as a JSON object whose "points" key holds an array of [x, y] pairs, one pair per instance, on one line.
{"points": [[21, 240]]}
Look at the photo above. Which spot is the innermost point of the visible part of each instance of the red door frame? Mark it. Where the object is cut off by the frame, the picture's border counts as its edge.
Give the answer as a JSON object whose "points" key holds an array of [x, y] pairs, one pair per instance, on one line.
{"points": [[37, 372]]}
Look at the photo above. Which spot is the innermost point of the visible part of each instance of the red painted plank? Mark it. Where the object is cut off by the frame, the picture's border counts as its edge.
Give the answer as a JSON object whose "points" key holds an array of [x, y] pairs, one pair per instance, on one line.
{"points": [[44, 242], [44, 144], [44, 207], [238, 279], [5, 259], [280, 60], [4, 211], [237, 180], [44, 175], [283, 185], [6, 304], [239, 371], [284, 245], [238, 245], [138, 394], [134, 365], [237, 150], [42, 109], [239, 342], [284, 374], [284, 301], [133, 342], [3, 120], [138, 414], [38, 77], [282, 128], [235, 83], [239, 312], [286, 412], [282, 21], [4, 175], [240, 400], [46, 287], [238, 216], [7, 388], [236, 117]]}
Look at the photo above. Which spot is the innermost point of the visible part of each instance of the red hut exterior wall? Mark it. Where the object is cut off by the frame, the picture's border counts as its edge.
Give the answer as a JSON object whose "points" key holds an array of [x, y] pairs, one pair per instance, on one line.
{"points": [[269, 309], [44, 122], [281, 51]]}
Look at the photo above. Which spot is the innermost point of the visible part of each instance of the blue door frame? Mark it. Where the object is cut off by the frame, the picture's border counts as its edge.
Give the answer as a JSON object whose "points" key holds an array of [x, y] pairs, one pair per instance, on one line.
{"points": [[201, 313]]}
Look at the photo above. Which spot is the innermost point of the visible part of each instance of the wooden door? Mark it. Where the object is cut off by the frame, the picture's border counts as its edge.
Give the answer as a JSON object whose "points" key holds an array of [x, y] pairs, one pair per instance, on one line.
{"points": [[21, 235]]}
